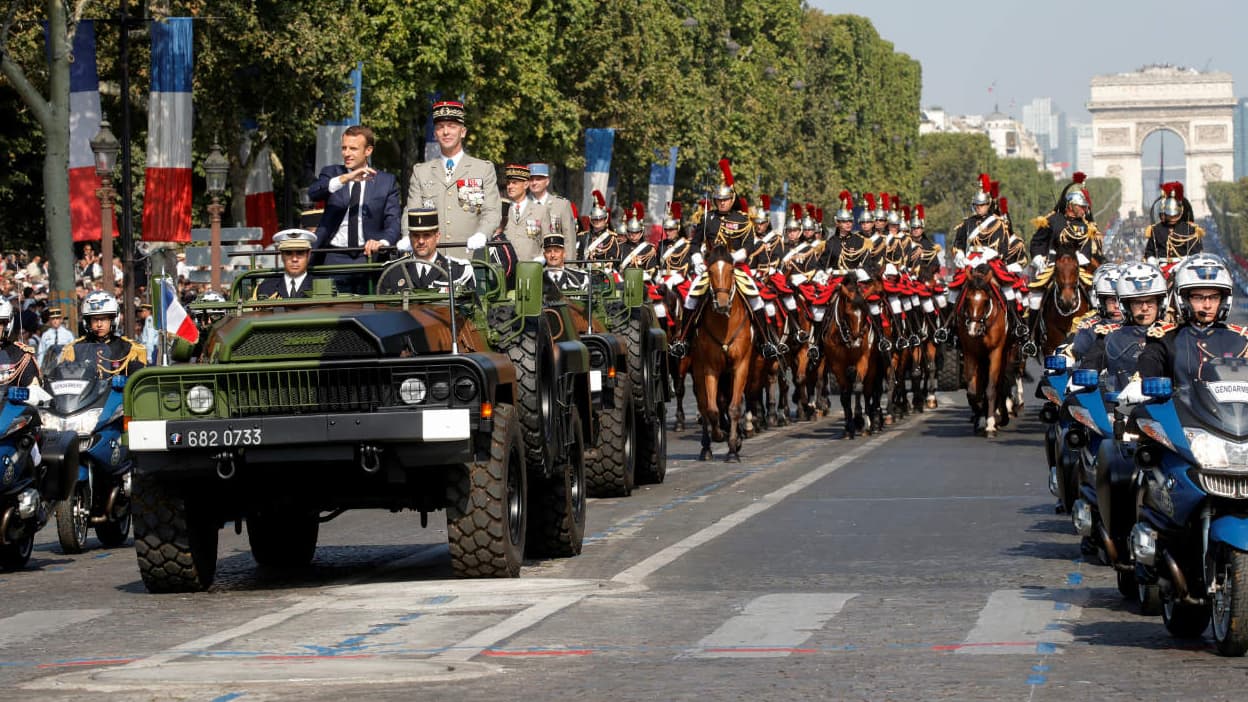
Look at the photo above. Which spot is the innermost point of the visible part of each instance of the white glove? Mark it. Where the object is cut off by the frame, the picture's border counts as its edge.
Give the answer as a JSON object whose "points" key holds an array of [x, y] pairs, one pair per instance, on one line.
{"points": [[959, 260], [798, 278], [1132, 393], [699, 268], [476, 241], [1151, 260], [738, 256], [1039, 262], [863, 275], [1014, 268]]}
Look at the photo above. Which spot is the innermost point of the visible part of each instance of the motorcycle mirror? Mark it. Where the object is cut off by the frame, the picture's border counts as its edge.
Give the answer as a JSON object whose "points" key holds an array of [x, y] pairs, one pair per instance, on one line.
{"points": [[119, 382]]}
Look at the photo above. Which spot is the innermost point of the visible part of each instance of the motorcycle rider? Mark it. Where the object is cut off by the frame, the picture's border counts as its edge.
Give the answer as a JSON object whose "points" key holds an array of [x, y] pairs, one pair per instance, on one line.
{"points": [[1141, 289], [116, 354], [1204, 287], [18, 367], [1091, 330]]}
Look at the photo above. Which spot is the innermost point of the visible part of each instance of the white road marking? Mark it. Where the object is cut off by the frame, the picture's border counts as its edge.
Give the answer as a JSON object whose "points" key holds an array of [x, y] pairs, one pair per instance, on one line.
{"points": [[772, 626], [37, 623], [1022, 621]]}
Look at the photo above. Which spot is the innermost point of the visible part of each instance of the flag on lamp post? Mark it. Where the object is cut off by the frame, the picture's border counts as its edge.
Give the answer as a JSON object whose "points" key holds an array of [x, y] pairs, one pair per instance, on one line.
{"points": [[167, 193], [84, 124], [598, 146]]}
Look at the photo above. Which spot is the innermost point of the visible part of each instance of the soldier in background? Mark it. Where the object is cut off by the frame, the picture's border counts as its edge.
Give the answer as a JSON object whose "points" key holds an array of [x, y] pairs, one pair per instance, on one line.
{"points": [[1176, 235], [21, 370], [527, 220], [559, 209], [599, 241], [1069, 225], [567, 279], [635, 251]]}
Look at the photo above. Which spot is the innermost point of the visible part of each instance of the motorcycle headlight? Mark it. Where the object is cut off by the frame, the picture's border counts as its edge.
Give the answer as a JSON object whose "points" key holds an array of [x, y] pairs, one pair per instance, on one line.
{"points": [[1214, 452], [1153, 430], [85, 422], [16, 425], [1050, 393]]}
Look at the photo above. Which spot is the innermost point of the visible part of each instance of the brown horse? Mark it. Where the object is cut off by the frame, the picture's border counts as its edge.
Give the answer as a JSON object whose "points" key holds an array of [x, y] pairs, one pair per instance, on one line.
{"points": [[722, 352], [848, 345], [983, 330], [1066, 298]]}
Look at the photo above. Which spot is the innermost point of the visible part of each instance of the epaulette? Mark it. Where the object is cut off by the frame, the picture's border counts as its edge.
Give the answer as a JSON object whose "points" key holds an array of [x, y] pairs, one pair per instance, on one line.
{"points": [[1104, 329], [24, 347], [936, 248], [1199, 231], [1088, 319], [1040, 222], [1092, 230], [1160, 329], [1238, 329]]}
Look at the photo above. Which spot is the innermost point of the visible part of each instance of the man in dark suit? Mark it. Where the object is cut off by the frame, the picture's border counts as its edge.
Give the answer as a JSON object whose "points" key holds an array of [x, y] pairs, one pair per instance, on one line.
{"points": [[425, 269], [295, 248], [361, 203]]}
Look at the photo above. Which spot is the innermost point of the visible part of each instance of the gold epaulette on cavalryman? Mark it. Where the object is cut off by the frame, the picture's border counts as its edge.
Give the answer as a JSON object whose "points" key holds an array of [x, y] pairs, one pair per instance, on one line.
{"points": [[24, 347], [1088, 319], [1199, 231], [1159, 329], [1040, 222]]}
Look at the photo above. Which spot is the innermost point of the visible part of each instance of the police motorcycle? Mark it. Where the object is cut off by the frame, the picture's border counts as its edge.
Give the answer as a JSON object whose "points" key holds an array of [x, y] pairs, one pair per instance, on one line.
{"points": [[86, 399], [1191, 535], [36, 465], [1052, 389]]}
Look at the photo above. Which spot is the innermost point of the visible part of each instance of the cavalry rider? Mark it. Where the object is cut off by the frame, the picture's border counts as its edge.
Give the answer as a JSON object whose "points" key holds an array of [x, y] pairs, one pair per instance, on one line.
{"points": [[599, 241], [636, 251], [18, 367], [770, 250], [1069, 224], [792, 232], [1204, 288], [116, 354], [848, 249], [567, 279], [1176, 235], [924, 260], [1141, 291], [674, 252], [732, 229], [1091, 329], [808, 224], [984, 235], [866, 218]]}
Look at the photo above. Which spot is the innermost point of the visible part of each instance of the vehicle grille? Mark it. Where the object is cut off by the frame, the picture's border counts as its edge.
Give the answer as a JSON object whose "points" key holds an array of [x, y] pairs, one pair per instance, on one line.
{"points": [[268, 344], [1221, 485]]}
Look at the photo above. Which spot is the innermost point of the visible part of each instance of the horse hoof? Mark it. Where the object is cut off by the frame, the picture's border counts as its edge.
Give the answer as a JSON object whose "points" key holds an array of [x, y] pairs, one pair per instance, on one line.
{"points": [[732, 457], [706, 455], [990, 433], [680, 426]]}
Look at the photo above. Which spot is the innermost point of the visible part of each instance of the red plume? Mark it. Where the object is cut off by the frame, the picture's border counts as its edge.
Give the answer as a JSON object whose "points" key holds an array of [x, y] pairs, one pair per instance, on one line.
{"points": [[575, 214], [743, 204], [919, 209], [810, 209], [905, 211], [1004, 206], [602, 201], [584, 223], [1079, 176], [994, 189], [704, 204], [884, 197], [797, 211], [676, 211], [639, 211], [849, 200], [726, 167], [819, 215], [983, 182], [896, 201], [766, 203], [870, 198], [1178, 190], [846, 197]]}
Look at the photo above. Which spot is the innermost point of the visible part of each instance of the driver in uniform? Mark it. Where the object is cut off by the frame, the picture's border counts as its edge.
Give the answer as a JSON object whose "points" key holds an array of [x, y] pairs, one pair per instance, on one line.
{"points": [[426, 268], [116, 354], [18, 367], [1141, 289]]}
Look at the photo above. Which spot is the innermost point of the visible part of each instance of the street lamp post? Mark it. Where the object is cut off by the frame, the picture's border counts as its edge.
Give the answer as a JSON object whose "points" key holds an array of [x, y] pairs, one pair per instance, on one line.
{"points": [[105, 147], [216, 168]]}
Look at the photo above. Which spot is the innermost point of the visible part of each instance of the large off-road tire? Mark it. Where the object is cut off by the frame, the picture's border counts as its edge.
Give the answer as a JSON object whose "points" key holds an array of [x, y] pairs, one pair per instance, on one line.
{"points": [[16, 555], [610, 467], [175, 539], [652, 448], [73, 519], [487, 506], [1184, 621], [639, 376], [533, 356], [283, 537], [949, 372], [1229, 610], [557, 517]]}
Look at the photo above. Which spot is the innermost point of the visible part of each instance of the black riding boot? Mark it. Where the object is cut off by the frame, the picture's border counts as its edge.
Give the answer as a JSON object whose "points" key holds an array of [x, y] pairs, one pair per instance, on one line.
{"points": [[678, 347], [769, 344], [1035, 333]]}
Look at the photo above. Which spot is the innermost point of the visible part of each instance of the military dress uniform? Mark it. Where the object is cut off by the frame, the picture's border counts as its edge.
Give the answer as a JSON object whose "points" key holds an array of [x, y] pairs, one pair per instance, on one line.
{"points": [[18, 367], [410, 273], [465, 195], [1177, 352], [988, 232], [843, 253], [641, 255], [1057, 231], [527, 224], [1087, 343], [1170, 242], [116, 355]]}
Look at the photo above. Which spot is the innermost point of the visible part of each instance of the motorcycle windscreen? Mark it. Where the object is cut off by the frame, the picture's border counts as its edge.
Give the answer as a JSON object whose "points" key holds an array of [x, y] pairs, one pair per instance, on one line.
{"points": [[1215, 391], [81, 383], [1122, 352]]}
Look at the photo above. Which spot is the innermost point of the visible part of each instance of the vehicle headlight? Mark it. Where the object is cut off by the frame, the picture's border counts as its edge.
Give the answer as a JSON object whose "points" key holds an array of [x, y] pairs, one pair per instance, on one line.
{"points": [[440, 390], [412, 391], [51, 422], [1214, 452], [597, 359], [199, 399], [1153, 430], [85, 422], [465, 388]]}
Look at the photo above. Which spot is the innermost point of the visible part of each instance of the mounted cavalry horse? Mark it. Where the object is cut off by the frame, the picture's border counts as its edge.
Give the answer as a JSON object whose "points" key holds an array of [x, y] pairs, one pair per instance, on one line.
{"points": [[723, 352], [848, 345], [1066, 288], [983, 332]]}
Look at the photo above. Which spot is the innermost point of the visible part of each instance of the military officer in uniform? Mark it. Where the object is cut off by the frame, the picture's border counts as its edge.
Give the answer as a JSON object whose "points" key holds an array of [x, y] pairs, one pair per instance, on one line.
{"points": [[426, 268], [848, 249], [116, 354], [567, 279], [462, 189], [55, 335], [984, 229], [635, 251], [294, 247], [18, 367], [600, 241], [559, 209], [527, 220], [1176, 235], [1069, 225]]}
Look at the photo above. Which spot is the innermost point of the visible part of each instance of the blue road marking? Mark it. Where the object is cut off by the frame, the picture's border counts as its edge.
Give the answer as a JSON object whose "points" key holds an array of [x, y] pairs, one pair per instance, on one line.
{"points": [[1046, 648], [229, 696], [1036, 679]]}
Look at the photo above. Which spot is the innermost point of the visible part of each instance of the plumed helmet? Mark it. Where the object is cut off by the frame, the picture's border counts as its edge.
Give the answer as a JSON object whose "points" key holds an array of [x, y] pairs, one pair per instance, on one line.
{"points": [[599, 210], [671, 219], [1202, 271], [725, 191], [882, 208], [1140, 280], [635, 217], [894, 216], [868, 211], [845, 213], [794, 221], [1077, 197], [808, 220], [760, 214], [983, 194], [919, 218], [1074, 192], [1172, 202], [100, 304]]}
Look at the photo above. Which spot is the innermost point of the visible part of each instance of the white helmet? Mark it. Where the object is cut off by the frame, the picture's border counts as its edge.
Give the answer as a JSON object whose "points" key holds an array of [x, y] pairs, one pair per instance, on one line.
{"points": [[1140, 280], [100, 304], [1203, 271]]}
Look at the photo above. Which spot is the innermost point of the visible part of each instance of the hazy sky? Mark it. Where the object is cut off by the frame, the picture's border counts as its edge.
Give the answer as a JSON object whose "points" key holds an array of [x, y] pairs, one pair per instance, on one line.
{"points": [[1044, 49]]}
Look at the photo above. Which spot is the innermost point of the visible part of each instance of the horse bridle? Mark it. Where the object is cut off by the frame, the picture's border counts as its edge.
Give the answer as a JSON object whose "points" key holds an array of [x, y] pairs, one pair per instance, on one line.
{"points": [[1057, 301], [715, 292], [841, 327], [982, 321]]}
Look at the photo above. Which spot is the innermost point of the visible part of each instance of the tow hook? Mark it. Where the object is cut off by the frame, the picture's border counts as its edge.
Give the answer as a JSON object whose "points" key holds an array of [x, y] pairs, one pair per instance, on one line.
{"points": [[225, 465], [370, 458]]}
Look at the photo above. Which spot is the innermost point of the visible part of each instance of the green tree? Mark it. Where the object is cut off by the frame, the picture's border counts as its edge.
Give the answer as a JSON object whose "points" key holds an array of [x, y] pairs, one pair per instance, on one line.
{"points": [[949, 168]]}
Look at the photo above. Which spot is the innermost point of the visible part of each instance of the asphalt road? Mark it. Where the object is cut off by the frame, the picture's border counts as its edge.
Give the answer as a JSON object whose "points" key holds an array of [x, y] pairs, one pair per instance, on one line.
{"points": [[924, 563]]}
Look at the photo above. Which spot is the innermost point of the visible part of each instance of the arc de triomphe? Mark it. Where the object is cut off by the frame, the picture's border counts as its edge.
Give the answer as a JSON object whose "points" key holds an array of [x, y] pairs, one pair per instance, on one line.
{"points": [[1127, 107]]}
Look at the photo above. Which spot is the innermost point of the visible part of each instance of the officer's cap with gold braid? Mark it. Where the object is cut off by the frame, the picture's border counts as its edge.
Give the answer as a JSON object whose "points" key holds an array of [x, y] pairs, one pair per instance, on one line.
{"points": [[516, 171], [452, 110], [293, 240], [422, 220]]}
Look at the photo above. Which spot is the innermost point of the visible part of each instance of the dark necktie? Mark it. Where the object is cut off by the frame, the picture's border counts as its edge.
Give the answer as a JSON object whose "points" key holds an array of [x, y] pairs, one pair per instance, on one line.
{"points": [[292, 288], [353, 217]]}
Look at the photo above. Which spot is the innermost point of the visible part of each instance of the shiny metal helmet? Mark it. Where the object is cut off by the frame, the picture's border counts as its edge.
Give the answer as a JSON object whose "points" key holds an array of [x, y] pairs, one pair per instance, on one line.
{"points": [[1172, 204], [1104, 286], [794, 224], [982, 194], [919, 218], [866, 216], [1140, 280], [1076, 197], [1202, 271], [100, 304], [894, 217], [671, 219], [599, 210]]}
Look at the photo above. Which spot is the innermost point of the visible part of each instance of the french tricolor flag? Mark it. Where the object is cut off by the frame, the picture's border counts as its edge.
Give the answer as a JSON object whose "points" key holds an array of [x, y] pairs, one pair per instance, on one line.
{"points": [[261, 206], [84, 124], [176, 320], [167, 195]]}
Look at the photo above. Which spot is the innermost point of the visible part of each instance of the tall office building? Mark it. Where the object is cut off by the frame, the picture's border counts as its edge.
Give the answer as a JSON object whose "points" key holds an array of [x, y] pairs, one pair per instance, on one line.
{"points": [[1048, 124]]}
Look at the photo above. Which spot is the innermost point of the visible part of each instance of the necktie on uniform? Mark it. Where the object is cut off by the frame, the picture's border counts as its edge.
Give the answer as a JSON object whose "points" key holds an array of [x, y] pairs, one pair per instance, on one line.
{"points": [[292, 288], [353, 217]]}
